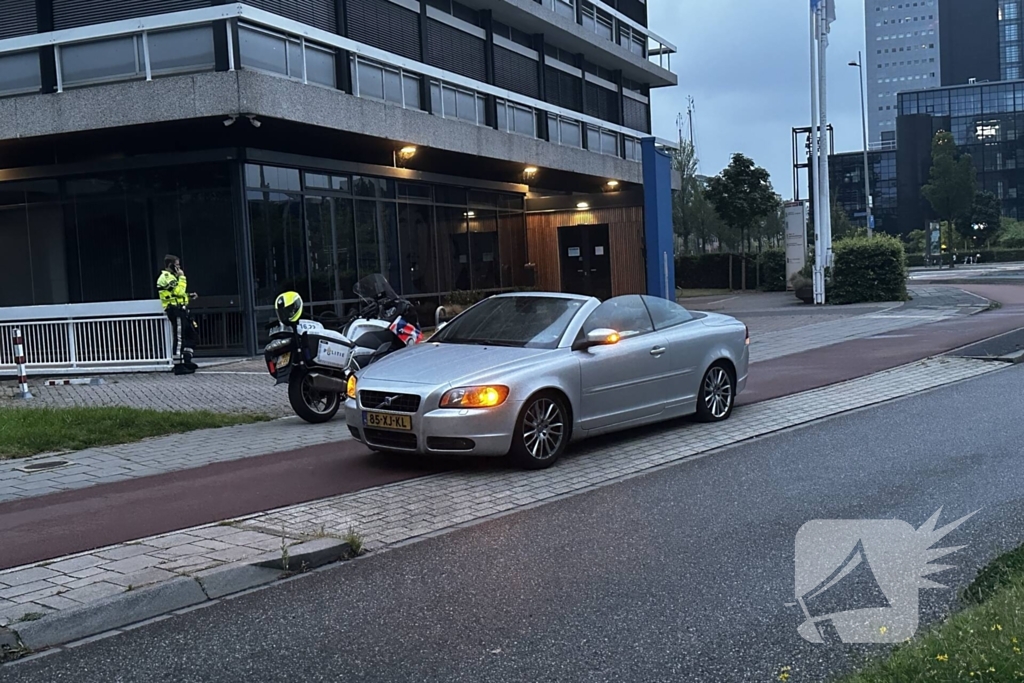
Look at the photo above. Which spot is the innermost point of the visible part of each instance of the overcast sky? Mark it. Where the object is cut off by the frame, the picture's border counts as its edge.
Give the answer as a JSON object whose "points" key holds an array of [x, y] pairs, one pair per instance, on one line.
{"points": [[746, 63]]}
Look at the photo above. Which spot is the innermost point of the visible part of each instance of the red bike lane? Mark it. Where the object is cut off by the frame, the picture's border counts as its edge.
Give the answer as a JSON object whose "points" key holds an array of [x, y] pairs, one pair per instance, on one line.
{"points": [[60, 524]]}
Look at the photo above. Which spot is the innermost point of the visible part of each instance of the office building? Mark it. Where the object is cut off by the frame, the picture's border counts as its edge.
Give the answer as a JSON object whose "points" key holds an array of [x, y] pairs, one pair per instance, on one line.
{"points": [[926, 44], [987, 122], [283, 145], [846, 183]]}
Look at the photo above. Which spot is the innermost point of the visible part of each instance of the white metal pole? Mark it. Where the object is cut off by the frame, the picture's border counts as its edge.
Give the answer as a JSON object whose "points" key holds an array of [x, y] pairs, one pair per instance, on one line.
{"points": [[826, 206], [813, 162], [867, 164], [19, 358]]}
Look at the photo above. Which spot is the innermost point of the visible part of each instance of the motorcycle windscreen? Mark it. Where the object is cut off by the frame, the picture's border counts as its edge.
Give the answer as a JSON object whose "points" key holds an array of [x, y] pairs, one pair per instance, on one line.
{"points": [[372, 287]]}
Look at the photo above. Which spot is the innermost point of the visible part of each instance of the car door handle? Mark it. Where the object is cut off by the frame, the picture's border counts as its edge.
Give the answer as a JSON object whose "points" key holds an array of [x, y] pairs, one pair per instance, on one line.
{"points": [[658, 350]]}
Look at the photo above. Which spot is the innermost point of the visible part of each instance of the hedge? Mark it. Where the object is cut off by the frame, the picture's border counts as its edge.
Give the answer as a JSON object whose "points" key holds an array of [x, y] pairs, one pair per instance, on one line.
{"points": [[987, 256], [866, 270], [711, 271]]}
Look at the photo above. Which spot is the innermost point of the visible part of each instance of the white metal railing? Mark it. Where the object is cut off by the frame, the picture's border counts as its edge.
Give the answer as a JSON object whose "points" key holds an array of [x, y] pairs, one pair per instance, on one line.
{"points": [[304, 33], [654, 47], [883, 146], [111, 336]]}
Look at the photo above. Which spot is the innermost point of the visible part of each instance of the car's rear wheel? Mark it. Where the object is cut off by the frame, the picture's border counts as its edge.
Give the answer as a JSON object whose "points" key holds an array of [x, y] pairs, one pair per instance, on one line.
{"points": [[717, 394], [542, 432]]}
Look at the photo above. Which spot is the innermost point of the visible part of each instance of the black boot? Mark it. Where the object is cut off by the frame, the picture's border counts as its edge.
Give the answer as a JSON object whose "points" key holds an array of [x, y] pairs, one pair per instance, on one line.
{"points": [[180, 369]]}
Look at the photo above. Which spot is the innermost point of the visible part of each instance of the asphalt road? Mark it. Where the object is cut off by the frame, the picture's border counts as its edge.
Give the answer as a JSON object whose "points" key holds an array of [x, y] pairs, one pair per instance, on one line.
{"points": [[678, 575], [51, 526]]}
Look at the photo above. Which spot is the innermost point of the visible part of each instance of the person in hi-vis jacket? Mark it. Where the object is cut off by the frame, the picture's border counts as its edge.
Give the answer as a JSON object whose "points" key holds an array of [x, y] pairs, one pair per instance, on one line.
{"points": [[174, 296]]}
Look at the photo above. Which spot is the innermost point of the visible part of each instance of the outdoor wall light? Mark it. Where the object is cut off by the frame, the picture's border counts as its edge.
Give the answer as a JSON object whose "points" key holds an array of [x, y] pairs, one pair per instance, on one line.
{"points": [[404, 154], [582, 205], [530, 172], [613, 184]]}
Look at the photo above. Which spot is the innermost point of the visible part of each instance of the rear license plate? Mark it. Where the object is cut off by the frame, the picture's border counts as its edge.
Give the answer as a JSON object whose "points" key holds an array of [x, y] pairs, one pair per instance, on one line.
{"points": [[283, 360], [400, 423]]}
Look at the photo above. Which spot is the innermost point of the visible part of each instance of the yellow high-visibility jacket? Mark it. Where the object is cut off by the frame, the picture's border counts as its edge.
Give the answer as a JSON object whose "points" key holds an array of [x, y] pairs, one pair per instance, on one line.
{"points": [[172, 289]]}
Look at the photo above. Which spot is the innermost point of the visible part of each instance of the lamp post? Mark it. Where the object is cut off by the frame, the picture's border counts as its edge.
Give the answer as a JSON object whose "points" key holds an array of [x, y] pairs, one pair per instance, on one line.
{"points": [[864, 124]]}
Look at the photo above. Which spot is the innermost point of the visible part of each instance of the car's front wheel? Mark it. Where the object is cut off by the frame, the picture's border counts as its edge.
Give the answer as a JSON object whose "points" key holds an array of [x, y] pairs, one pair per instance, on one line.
{"points": [[717, 394], [542, 432]]}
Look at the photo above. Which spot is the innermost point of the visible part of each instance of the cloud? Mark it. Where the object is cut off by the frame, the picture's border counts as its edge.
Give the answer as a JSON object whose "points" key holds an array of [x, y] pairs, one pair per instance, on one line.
{"points": [[746, 63]]}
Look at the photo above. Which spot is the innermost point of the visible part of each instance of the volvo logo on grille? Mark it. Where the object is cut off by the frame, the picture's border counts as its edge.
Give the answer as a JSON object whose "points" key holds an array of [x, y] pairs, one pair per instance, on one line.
{"points": [[386, 403]]}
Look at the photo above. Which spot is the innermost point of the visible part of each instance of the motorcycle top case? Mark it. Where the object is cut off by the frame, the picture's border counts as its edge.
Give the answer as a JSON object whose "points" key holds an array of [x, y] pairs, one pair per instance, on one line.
{"points": [[329, 349]]}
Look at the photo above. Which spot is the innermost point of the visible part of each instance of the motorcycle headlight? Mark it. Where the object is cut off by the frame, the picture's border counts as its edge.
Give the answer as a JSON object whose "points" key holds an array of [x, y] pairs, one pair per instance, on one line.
{"points": [[350, 390], [475, 397]]}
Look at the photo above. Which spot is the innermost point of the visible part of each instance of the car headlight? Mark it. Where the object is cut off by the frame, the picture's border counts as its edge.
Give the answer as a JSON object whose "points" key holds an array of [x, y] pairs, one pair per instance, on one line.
{"points": [[350, 390], [475, 397]]}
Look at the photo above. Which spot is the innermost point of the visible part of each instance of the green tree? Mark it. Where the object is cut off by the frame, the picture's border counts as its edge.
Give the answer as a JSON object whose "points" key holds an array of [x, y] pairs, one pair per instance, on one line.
{"points": [[683, 218], [914, 242], [742, 195], [983, 223], [952, 183], [1012, 236], [841, 225]]}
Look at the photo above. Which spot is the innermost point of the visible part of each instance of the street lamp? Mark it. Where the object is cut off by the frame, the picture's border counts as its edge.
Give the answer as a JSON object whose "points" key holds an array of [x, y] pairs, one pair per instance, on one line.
{"points": [[864, 124]]}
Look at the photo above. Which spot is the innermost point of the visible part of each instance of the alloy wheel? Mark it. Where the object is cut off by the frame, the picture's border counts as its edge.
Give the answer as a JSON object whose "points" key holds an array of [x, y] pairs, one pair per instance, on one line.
{"points": [[718, 392], [543, 429]]}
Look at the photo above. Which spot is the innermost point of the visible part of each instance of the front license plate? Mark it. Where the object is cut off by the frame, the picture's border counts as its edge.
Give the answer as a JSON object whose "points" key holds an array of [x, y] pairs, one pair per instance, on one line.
{"points": [[400, 423]]}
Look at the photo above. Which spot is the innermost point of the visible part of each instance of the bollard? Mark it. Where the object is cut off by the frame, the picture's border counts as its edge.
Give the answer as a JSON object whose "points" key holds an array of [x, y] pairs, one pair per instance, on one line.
{"points": [[19, 358]]}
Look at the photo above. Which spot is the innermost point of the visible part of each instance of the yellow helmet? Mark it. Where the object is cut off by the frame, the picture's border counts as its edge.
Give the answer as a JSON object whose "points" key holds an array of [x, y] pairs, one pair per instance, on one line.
{"points": [[288, 308]]}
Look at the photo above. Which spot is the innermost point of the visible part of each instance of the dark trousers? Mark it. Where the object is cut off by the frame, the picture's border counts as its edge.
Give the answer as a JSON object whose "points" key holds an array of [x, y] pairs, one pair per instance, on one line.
{"points": [[183, 334]]}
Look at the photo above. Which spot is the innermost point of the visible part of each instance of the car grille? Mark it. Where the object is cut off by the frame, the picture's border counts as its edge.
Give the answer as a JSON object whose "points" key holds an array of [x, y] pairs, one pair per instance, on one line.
{"points": [[400, 403], [385, 439]]}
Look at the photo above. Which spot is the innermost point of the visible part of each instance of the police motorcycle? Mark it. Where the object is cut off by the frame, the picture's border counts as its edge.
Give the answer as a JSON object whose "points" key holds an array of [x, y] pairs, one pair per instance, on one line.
{"points": [[315, 358]]}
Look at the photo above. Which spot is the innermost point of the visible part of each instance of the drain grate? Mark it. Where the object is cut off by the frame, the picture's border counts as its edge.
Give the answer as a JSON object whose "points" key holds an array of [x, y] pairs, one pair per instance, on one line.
{"points": [[43, 466]]}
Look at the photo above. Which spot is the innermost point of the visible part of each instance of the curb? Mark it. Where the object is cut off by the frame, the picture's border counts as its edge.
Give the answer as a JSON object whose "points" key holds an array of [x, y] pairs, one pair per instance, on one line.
{"points": [[1015, 357], [141, 604]]}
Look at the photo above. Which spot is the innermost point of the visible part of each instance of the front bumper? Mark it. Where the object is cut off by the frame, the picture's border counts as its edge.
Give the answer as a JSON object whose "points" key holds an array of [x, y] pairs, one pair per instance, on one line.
{"points": [[441, 431]]}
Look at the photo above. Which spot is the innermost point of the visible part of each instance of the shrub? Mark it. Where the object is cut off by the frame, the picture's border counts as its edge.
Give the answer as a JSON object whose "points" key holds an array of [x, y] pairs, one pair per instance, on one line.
{"points": [[866, 270], [773, 270]]}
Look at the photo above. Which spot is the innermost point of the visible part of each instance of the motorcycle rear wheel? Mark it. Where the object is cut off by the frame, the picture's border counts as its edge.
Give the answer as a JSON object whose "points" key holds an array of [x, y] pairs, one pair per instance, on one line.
{"points": [[312, 405]]}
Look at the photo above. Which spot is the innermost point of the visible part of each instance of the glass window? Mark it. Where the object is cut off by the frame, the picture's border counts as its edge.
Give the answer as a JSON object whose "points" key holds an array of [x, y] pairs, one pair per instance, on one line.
{"points": [[418, 247], [272, 177], [453, 248], [190, 48], [411, 84], [367, 244], [320, 66], [295, 59], [485, 265], [536, 322], [570, 133], [261, 50], [370, 80], [627, 315], [332, 248], [393, 86], [20, 72], [279, 245], [525, 121], [666, 313], [100, 60]]}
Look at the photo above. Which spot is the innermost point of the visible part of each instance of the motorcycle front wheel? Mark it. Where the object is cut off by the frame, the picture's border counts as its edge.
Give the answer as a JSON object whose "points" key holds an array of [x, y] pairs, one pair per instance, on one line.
{"points": [[312, 405]]}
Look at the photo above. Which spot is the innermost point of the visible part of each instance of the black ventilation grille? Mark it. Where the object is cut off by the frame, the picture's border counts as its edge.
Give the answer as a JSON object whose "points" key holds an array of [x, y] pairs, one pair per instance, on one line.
{"points": [[385, 25], [636, 115], [516, 72], [454, 50], [19, 18], [74, 13]]}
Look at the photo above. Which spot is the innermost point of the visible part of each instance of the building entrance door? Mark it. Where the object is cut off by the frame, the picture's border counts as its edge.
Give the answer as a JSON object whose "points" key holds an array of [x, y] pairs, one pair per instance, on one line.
{"points": [[585, 260]]}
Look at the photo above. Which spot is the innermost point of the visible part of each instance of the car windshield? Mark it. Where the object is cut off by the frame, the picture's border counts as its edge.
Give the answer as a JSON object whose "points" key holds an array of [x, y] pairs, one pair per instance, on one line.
{"points": [[533, 322]]}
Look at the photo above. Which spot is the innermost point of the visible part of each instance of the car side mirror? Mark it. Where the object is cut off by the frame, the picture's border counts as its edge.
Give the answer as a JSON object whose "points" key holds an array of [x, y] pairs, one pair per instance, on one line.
{"points": [[599, 337]]}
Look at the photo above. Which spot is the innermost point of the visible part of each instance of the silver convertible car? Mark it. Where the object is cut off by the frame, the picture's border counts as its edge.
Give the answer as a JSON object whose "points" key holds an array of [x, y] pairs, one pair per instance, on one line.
{"points": [[525, 374]]}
